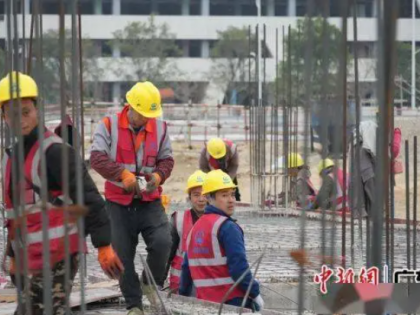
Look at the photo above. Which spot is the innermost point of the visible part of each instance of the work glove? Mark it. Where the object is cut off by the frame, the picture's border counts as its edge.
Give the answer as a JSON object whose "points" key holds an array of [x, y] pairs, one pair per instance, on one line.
{"points": [[129, 180], [109, 261], [153, 182], [258, 303]]}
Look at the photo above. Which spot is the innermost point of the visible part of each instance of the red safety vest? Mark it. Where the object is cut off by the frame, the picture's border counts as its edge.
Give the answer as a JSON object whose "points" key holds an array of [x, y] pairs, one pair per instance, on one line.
{"points": [[207, 261], [214, 165], [140, 163], [56, 225], [340, 190], [183, 224]]}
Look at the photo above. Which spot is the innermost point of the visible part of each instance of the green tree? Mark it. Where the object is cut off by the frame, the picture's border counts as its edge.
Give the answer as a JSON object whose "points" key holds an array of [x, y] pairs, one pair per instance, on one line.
{"points": [[292, 67], [148, 47], [51, 74], [231, 63]]}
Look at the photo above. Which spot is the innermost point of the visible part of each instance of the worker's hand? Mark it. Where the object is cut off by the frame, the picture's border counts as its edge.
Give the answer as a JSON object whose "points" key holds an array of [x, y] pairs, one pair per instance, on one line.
{"points": [[129, 180], [153, 182], [109, 261], [259, 303]]}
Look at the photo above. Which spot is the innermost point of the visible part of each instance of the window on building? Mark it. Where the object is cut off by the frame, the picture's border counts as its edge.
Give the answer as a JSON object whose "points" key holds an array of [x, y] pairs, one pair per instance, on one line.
{"points": [[170, 7], [222, 7], [106, 7], [136, 7], [406, 9], [250, 9], [86, 7], [195, 49], [50, 7], [2, 9], [195, 7], [106, 48], [2, 44], [280, 8]]}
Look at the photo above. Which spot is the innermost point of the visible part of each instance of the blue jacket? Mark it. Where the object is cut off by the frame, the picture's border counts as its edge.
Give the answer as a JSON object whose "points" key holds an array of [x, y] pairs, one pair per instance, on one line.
{"points": [[231, 238]]}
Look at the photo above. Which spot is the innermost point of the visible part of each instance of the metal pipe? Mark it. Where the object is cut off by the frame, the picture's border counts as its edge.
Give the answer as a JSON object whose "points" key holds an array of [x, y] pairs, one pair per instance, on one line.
{"points": [[82, 112], [415, 205], [407, 202]]}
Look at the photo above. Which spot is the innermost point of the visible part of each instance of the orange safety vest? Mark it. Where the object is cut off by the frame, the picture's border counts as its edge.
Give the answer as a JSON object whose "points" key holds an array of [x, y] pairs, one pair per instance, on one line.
{"points": [[214, 165], [33, 212], [140, 163], [207, 261], [340, 188], [183, 224]]}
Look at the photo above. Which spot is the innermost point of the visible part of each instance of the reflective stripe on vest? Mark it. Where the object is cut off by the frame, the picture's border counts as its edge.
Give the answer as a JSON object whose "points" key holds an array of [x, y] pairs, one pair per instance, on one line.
{"points": [[141, 163], [183, 224], [213, 162], [56, 229], [339, 193], [208, 262]]}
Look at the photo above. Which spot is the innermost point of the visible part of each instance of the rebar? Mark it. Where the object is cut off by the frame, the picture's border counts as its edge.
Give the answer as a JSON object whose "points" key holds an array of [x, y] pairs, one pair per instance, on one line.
{"points": [[407, 202], [415, 204]]}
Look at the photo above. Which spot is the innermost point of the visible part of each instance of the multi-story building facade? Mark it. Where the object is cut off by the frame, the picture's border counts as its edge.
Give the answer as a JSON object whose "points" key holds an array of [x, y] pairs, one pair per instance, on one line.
{"points": [[195, 25]]}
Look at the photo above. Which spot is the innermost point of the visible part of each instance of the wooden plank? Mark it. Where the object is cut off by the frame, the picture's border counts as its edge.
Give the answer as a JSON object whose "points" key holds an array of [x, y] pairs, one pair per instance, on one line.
{"points": [[91, 296]]}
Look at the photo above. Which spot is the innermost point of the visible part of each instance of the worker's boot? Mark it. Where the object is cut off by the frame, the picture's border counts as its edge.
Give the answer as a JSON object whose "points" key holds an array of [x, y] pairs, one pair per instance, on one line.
{"points": [[151, 295], [135, 311]]}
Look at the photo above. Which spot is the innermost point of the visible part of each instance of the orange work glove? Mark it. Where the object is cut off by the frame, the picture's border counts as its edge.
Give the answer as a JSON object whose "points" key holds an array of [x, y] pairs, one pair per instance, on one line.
{"points": [[153, 182], [129, 180], [109, 261]]}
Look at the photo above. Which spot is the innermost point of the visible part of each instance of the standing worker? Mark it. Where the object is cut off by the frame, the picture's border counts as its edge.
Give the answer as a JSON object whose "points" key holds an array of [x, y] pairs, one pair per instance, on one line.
{"points": [[366, 144], [129, 147], [96, 221], [182, 223], [331, 189], [221, 154], [216, 255]]}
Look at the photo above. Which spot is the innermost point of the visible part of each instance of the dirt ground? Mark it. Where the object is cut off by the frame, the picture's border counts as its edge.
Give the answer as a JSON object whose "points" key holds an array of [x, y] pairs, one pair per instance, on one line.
{"points": [[186, 162]]}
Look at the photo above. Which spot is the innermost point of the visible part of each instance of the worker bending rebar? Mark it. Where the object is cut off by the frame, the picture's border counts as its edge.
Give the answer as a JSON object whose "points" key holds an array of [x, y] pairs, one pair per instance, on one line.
{"points": [[331, 194], [96, 219], [132, 151], [216, 255], [221, 154], [182, 223]]}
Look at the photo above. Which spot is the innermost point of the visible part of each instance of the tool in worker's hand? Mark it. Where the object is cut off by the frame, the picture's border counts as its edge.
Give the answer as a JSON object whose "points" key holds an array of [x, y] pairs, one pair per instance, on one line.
{"points": [[141, 184]]}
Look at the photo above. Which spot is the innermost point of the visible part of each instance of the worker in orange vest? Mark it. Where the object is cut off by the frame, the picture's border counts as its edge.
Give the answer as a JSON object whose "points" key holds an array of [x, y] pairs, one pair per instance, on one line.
{"points": [[221, 154], [96, 220], [182, 223], [132, 151]]}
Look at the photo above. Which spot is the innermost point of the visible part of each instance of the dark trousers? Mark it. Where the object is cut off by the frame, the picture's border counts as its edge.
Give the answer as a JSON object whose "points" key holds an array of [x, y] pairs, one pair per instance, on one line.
{"points": [[58, 285], [237, 194], [127, 222]]}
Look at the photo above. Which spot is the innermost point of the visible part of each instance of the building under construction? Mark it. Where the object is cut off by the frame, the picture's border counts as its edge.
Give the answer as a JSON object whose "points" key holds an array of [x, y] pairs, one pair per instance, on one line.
{"points": [[310, 108]]}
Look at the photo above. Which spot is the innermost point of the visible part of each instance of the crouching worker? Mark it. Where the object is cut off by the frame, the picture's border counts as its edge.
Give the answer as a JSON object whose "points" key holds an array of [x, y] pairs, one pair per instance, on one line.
{"points": [[182, 223], [216, 256], [332, 191], [96, 221]]}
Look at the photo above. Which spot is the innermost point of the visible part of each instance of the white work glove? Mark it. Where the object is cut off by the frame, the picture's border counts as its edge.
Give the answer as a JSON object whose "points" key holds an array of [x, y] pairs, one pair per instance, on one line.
{"points": [[260, 302]]}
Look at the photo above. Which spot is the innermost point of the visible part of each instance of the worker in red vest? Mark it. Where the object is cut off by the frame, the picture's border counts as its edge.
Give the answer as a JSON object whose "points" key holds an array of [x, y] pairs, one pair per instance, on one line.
{"points": [[132, 151], [221, 154], [332, 191], [31, 221], [182, 223], [216, 256]]}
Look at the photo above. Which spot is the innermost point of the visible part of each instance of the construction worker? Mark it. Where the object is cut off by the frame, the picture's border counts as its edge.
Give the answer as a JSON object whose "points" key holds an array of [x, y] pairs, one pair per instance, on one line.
{"points": [[132, 149], [331, 189], [366, 145], [216, 255], [182, 223], [96, 220], [300, 181], [221, 154]]}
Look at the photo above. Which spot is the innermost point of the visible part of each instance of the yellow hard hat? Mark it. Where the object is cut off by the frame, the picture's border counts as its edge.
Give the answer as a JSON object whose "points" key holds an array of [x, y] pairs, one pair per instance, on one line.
{"points": [[144, 98], [324, 164], [294, 160], [216, 148], [195, 180], [27, 87], [217, 180]]}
